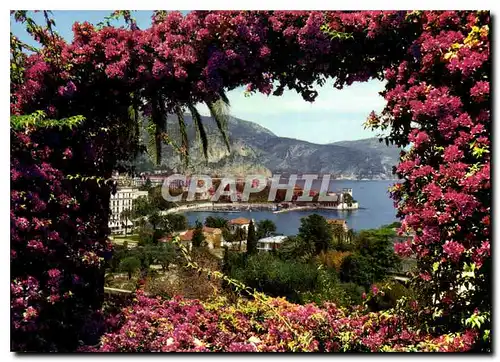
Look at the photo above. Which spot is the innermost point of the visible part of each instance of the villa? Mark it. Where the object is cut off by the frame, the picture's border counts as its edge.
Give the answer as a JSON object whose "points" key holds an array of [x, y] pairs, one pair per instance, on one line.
{"points": [[213, 237], [270, 243], [239, 223], [340, 222]]}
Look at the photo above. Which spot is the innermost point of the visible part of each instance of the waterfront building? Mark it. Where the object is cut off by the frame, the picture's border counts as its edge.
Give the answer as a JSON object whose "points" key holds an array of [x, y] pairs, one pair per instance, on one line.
{"points": [[270, 243], [122, 200], [239, 223], [340, 222]]}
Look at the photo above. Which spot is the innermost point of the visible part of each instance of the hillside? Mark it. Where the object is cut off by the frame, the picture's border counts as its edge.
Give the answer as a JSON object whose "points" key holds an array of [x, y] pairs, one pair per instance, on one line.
{"points": [[255, 149]]}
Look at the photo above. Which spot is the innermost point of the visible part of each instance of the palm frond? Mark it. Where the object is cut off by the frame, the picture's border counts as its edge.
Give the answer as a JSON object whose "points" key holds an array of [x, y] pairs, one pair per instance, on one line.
{"points": [[184, 136], [219, 110], [151, 144], [224, 98], [201, 129]]}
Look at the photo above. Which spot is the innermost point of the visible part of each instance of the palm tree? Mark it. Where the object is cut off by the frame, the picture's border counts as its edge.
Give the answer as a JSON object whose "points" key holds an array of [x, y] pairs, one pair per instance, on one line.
{"points": [[265, 228], [125, 216], [154, 219], [240, 235], [350, 235], [219, 111]]}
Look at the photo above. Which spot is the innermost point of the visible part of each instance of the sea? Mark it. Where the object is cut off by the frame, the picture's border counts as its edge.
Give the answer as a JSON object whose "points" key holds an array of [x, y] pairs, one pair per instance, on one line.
{"points": [[376, 209]]}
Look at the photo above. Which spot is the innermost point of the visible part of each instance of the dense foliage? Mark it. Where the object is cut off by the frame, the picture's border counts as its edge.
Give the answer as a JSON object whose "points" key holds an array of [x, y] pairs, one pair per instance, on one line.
{"points": [[251, 239], [437, 68], [269, 325], [57, 238], [293, 271], [372, 257], [273, 276], [315, 229], [216, 222]]}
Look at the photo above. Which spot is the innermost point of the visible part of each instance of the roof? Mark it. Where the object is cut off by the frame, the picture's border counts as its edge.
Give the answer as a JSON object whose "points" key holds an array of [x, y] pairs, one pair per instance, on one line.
{"points": [[188, 235], [273, 239], [336, 221], [210, 230], [239, 221]]}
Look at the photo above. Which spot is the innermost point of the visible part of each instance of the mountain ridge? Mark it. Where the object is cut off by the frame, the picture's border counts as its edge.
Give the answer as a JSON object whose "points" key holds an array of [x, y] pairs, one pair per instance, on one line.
{"points": [[257, 150]]}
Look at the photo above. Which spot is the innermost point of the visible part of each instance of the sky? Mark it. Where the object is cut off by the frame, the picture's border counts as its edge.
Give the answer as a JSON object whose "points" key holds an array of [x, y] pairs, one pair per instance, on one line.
{"points": [[336, 115]]}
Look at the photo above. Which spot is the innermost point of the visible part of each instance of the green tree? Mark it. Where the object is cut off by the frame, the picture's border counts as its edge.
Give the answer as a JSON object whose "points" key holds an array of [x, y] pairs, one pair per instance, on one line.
{"points": [[275, 277], [251, 239], [147, 185], [227, 235], [341, 238], [174, 222], [140, 222], [198, 237], [265, 228], [130, 265], [141, 207], [165, 254], [315, 229], [372, 259], [358, 269], [216, 222], [350, 235], [125, 216], [146, 236], [146, 255], [155, 219], [296, 248], [239, 235], [157, 201], [119, 253]]}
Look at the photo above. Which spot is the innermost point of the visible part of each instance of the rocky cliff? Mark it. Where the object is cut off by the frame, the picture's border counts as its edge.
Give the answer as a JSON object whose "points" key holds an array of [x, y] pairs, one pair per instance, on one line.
{"points": [[256, 150]]}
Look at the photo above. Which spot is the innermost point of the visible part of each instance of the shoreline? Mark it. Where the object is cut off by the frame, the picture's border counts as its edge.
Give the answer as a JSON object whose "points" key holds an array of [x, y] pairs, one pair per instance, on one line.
{"points": [[235, 208]]}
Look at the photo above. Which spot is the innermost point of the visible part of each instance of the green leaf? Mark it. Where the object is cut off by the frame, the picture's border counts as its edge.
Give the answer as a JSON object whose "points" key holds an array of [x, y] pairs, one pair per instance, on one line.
{"points": [[184, 137], [201, 129], [219, 111]]}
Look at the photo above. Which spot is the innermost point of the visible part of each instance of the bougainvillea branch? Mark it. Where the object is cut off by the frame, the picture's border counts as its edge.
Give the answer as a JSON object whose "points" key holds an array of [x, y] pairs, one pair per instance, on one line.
{"points": [[436, 65]]}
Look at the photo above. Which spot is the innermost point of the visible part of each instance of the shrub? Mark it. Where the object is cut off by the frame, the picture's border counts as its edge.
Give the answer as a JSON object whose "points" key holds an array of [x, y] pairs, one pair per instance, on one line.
{"points": [[266, 325], [198, 236], [358, 269], [130, 265], [295, 248], [329, 289], [276, 277], [392, 292], [332, 259]]}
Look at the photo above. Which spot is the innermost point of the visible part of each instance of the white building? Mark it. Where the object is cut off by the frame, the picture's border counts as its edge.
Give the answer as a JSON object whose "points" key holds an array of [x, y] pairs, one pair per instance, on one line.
{"points": [[270, 243], [122, 200]]}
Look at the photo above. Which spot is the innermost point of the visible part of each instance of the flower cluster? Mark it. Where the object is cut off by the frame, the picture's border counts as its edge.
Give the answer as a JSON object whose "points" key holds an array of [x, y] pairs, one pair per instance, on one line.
{"points": [[437, 67], [154, 324], [51, 225], [445, 201]]}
